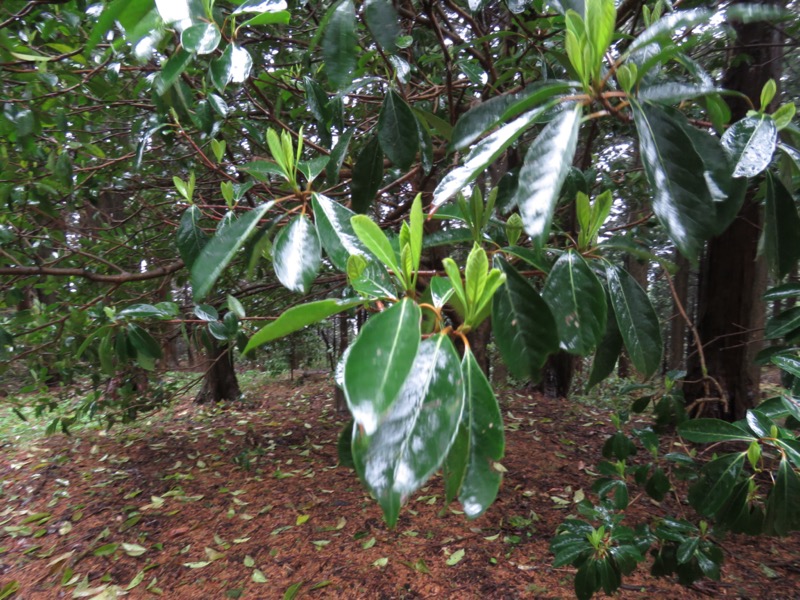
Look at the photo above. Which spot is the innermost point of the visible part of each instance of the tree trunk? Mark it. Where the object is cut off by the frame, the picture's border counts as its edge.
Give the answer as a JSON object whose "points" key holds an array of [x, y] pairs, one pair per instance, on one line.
{"points": [[220, 381], [732, 277], [677, 326]]}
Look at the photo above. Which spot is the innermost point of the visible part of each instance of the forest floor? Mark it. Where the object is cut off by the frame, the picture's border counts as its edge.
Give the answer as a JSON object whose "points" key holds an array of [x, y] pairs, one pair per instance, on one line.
{"points": [[247, 501]]}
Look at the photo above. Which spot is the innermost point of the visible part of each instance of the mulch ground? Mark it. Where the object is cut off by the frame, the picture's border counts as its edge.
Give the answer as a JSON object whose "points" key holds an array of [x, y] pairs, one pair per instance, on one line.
{"points": [[249, 502]]}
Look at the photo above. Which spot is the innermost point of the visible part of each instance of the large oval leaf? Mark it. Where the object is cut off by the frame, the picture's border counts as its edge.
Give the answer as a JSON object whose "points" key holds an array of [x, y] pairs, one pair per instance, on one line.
{"points": [[412, 440], [607, 353], [546, 166], [381, 18], [578, 303], [751, 143], [143, 342], [296, 254], [379, 361], [298, 317], [717, 484], [202, 38], [637, 320], [479, 445], [523, 326], [339, 45], [220, 250], [681, 198], [783, 513], [397, 131]]}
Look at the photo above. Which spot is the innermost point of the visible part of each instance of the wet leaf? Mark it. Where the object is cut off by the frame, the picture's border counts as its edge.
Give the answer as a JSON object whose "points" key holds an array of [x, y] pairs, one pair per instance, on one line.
{"points": [[339, 45], [296, 255], [751, 142], [547, 163], [400, 451], [395, 123]]}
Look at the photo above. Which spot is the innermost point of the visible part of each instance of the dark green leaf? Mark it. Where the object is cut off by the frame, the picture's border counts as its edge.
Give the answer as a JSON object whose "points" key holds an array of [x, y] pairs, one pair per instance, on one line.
{"points": [[483, 155], [143, 342], [106, 21], [681, 198], [379, 362], [751, 143], [367, 176], [523, 326], [718, 480], [607, 353], [173, 69], [783, 511], [339, 45], [338, 155], [712, 430], [344, 448], [396, 454], [296, 254], [780, 292], [759, 423], [220, 250], [298, 317], [781, 239], [784, 324], [381, 19], [190, 236], [637, 320], [206, 312], [546, 166], [578, 303], [397, 131], [281, 17], [485, 444]]}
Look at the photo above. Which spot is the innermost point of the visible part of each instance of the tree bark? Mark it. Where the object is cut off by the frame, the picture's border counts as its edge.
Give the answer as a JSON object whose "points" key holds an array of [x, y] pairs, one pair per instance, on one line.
{"points": [[732, 276], [220, 381]]}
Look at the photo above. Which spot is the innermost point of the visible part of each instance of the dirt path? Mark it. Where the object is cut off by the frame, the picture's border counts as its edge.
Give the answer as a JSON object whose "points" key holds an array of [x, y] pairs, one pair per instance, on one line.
{"points": [[249, 503]]}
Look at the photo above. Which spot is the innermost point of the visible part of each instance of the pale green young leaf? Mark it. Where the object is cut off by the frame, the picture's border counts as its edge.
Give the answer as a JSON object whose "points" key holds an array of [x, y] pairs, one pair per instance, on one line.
{"points": [[376, 241], [451, 268], [475, 275], [601, 18], [416, 226]]}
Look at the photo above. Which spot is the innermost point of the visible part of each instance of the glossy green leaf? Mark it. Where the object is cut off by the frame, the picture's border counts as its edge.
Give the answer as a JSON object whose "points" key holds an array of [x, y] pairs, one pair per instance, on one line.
{"points": [[395, 455], [665, 28], [376, 241], [106, 21], [338, 154], [783, 511], [260, 6], [382, 21], [190, 237], [546, 166], [607, 353], [298, 317], [202, 38], [335, 231], [143, 342], [781, 239], [751, 142], [524, 328], [712, 430], [718, 480], [784, 324], [681, 198], [233, 66], [281, 17], [637, 320], [578, 303], [173, 69], [481, 156], [379, 362], [416, 228], [339, 45], [397, 131], [367, 176], [296, 254], [144, 311], [483, 443], [220, 250]]}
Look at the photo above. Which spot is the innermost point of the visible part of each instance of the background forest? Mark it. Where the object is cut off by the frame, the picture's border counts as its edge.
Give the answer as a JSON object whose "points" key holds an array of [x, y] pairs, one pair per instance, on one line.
{"points": [[429, 200]]}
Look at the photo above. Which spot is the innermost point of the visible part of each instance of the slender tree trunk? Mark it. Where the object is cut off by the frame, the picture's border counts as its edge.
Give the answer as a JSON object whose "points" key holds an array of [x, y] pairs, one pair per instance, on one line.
{"points": [[677, 326], [220, 381], [732, 276]]}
